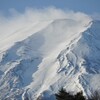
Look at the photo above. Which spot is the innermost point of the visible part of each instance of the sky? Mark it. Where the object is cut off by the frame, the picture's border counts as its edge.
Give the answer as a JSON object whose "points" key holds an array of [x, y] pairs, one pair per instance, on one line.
{"points": [[85, 6]]}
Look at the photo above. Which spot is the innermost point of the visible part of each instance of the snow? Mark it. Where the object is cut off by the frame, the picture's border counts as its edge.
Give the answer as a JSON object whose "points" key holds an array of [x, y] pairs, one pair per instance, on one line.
{"points": [[39, 58], [20, 33]]}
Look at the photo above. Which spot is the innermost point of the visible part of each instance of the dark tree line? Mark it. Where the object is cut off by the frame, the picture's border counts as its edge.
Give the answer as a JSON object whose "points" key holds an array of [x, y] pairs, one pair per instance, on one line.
{"points": [[63, 95]]}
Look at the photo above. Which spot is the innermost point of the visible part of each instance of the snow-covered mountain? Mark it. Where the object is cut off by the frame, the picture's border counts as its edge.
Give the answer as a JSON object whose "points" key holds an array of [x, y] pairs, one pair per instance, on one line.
{"points": [[41, 58]]}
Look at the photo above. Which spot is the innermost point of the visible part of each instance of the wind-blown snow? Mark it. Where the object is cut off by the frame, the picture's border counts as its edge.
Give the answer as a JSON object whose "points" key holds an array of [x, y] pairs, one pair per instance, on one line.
{"points": [[39, 57]]}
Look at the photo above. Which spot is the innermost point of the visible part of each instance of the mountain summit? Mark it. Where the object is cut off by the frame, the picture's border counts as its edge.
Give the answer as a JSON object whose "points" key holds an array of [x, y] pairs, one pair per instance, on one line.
{"points": [[42, 58]]}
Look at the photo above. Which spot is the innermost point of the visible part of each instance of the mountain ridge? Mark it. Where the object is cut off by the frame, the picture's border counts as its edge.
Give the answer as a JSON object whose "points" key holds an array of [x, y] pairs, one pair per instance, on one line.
{"points": [[46, 61]]}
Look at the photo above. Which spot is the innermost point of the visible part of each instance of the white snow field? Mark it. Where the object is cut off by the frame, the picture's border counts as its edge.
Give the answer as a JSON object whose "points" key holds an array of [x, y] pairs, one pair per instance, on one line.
{"points": [[38, 59]]}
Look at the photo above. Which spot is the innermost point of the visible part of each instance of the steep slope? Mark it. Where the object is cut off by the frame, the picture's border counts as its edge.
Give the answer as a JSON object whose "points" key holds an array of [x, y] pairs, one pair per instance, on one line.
{"points": [[9, 36], [78, 65], [64, 53], [80, 61]]}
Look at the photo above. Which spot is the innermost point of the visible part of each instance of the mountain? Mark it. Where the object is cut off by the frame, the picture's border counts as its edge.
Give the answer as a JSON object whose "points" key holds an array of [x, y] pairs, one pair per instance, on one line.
{"points": [[39, 59]]}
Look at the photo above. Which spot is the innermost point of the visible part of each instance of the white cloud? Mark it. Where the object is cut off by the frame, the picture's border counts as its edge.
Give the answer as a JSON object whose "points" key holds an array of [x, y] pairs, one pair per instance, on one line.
{"points": [[18, 20], [18, 25], [33, 15]]}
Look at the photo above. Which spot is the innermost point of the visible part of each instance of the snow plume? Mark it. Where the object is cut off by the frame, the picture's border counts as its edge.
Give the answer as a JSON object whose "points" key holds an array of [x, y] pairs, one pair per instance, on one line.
{"points": [[17, 20], [19, 24]]}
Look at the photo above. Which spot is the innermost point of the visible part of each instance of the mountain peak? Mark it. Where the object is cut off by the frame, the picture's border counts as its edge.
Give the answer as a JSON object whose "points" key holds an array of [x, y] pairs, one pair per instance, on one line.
{"points": [[63, 53]]}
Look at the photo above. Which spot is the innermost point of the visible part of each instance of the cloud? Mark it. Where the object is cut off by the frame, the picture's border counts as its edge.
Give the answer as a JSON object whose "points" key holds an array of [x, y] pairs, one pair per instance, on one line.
{"points": [[18, 25], [18, 20], [43, 14]]}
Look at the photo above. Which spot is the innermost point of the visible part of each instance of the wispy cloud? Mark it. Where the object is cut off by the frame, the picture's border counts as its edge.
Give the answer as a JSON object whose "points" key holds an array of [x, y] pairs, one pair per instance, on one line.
{"points": [[18, 20], [18, 24]]}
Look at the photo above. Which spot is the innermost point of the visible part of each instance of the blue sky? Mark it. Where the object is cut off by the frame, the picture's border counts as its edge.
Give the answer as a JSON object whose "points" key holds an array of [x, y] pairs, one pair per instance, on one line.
{"points": [[87, 6]]}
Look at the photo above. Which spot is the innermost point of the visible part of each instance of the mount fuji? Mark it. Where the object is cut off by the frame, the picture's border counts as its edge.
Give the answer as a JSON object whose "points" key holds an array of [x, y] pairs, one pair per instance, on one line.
{"points": [[40, 58]]}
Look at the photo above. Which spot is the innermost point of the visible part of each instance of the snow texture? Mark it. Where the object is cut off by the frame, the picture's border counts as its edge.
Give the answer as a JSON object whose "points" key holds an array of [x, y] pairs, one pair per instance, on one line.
{"points": [[38, 59]]}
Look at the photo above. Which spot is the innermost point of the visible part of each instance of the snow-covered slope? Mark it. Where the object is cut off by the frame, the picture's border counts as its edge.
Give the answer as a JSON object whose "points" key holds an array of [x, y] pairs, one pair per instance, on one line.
{"points": [[42, 58]]}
